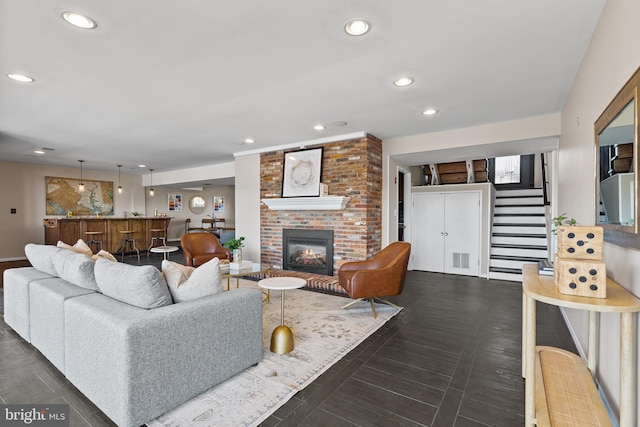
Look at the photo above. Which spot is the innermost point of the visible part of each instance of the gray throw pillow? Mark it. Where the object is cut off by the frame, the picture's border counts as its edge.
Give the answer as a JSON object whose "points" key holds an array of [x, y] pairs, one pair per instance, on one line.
{"points": [[140, 286], [75, 268], [41, 257]]}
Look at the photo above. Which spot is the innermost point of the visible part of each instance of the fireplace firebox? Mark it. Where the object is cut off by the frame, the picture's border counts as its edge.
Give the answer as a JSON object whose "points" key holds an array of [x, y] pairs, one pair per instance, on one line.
{"points": [[307, 250]]}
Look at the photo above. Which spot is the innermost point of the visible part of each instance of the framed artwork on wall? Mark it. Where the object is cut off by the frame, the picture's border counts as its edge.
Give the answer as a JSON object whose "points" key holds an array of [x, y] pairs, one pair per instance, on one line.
{"points": [[302, 172], [218, 204], [63, 196], [175, 202]]}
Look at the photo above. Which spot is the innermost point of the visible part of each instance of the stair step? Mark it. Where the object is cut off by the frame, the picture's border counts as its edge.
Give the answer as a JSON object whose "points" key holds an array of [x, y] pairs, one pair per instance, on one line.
{"points": [[523, 192], [519, 252], [518, 214], [517, 258], [520, 201], [528, 210], [509, 263], [506, 270], [511, 246], [520, 229], [507, 219], [536, 240], [523, 235], [519, 224], [509, 277]]}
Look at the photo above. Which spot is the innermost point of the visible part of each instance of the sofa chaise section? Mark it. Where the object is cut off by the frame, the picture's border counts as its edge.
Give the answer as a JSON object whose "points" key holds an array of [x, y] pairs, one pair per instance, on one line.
{"points": [[16, 298], [137, 364], [46, 302]]}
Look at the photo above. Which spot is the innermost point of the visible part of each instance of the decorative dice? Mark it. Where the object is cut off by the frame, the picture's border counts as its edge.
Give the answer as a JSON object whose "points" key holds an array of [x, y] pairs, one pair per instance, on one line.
{"points": [[579, 277], [580, 242], [577, 267]]}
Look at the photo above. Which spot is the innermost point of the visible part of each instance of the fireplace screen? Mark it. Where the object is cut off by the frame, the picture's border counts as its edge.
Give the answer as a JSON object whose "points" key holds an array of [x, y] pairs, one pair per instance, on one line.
{"points": [[310, 251]]}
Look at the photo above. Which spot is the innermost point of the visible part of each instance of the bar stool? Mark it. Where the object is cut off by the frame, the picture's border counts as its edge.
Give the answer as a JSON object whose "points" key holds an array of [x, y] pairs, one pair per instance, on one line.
{"points": [[127, 241], [92, 235], [156, 237]]}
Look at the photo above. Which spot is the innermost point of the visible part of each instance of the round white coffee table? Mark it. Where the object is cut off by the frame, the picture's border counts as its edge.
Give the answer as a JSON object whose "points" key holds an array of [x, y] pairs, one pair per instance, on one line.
{"points": [[282, 337], [163, 250]]}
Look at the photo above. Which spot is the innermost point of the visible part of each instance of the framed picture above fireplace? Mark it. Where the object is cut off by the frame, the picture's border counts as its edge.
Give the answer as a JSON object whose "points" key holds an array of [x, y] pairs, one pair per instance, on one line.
{"points": [[302, 172]]}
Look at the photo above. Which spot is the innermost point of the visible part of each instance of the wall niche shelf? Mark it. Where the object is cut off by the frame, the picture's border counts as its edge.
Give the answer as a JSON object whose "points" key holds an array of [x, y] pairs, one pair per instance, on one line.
{"points": [[327, 203]]}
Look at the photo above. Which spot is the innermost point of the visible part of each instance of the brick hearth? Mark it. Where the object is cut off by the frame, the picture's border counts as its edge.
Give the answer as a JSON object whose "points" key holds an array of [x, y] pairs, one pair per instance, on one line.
{"points": [[351, 168]]}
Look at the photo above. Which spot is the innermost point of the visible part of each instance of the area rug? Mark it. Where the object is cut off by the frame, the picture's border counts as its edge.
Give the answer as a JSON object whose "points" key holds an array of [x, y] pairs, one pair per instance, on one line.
{"points": [[324, 333]]}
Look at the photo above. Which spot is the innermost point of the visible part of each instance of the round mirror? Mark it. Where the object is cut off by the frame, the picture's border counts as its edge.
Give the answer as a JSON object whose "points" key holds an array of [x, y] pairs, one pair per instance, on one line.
{"points": [[197, 205]]}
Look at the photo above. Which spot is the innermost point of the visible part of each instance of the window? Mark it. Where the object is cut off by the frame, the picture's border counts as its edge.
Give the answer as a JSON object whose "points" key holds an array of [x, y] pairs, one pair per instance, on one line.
{"points": [[511, 172], [507, 170]]}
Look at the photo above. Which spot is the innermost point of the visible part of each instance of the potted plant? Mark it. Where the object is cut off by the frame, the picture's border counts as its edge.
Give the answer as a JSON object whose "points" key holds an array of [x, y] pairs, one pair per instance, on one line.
{"points": [[561, 220], [235, 246]]}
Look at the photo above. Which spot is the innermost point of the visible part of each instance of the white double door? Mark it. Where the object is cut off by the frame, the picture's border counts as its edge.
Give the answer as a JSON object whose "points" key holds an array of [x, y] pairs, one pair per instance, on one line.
{"points": [[446, 232]]}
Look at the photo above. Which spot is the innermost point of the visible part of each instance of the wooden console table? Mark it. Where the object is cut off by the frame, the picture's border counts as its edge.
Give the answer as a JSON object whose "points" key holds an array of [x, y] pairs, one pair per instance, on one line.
{"points": [[619, 300]]}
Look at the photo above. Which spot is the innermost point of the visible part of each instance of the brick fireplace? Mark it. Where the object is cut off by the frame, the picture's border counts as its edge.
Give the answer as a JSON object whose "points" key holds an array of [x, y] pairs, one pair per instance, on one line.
{"points": [[351, 168]]}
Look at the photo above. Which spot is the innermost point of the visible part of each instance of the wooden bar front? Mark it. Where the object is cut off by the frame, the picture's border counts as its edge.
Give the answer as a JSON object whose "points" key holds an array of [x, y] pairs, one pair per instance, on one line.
{"points": [[69, 230]]}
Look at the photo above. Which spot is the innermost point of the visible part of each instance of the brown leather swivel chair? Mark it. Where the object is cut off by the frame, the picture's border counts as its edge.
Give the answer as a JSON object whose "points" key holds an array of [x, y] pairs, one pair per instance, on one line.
{"points": [[381, 276], [199, 248]]}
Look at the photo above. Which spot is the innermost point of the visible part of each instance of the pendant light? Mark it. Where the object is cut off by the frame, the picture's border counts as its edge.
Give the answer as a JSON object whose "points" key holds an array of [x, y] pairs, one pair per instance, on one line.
{"points": [[119, 186], [81, 185], [151, 192]]}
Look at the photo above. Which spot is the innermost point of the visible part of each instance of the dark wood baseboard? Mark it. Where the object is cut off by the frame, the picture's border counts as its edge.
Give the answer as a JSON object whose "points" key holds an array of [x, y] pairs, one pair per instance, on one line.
{"points": [[11, 264]]}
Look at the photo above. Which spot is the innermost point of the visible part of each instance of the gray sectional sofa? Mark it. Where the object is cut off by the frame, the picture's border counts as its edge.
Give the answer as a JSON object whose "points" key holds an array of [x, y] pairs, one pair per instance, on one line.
{"points": [[134, 363]]}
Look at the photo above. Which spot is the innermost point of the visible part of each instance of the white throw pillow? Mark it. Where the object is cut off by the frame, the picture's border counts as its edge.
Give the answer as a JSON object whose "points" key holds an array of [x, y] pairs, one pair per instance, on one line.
{"points": [[190, 283], [104, 255], [81, 247]]}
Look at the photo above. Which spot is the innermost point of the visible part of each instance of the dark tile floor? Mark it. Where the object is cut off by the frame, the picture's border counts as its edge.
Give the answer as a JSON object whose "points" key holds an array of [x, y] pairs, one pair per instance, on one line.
{"points": [[450, 358]]}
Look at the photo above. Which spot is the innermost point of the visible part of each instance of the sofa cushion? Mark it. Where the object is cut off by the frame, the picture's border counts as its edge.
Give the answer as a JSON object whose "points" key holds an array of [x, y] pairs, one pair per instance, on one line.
{"points": [[41, 257], [189, 283], [140, 286], [80, 247], [75, 268]]}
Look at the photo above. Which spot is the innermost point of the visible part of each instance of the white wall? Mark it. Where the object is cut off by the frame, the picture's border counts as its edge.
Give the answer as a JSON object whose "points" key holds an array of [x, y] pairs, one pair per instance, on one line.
{"points": [[613, 56], [160, 201], [248, 205]]}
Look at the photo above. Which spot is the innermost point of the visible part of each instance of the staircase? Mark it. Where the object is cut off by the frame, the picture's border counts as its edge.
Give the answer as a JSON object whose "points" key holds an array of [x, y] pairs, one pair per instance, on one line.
{"points": [[519, 233]]}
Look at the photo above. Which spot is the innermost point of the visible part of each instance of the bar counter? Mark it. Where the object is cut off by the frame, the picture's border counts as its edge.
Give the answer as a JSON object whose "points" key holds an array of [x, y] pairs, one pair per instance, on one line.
{"points": [[69, 230]]}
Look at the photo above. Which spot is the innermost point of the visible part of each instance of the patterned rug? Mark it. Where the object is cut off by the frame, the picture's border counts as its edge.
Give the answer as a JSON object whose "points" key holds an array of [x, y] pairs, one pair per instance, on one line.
{"points": [[323, 334]]}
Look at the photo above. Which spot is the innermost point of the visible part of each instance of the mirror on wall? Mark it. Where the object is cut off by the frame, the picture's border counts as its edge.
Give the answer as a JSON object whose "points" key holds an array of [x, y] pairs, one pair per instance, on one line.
{"points": [[197, 205], [616, 137]]}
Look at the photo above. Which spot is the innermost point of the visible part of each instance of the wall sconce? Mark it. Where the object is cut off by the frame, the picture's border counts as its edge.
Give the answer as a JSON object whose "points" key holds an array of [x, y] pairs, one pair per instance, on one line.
{"points": [[151, 192], [81, 185], [119, 186]]}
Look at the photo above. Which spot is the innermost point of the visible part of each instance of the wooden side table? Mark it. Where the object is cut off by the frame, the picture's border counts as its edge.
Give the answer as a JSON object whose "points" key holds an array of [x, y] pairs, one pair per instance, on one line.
{"points": [[619, 300]]}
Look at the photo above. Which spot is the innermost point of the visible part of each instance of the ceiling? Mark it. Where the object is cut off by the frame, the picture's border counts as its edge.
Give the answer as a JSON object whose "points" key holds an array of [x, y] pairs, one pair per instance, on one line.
{"points": [[175, 85]]}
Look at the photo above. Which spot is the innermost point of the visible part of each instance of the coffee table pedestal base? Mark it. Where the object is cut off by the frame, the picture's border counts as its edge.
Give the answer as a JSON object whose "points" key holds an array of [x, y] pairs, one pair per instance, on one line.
{"points": [[281, 340]]}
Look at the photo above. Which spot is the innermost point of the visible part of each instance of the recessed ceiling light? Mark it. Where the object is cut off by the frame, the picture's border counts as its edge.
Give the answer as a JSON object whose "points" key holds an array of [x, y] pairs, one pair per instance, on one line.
{"points": [[20, 78], [38, 151], [142, 166], [339, 123], [403, 81], [249, 141], [78, 20], [319, 127], [356, 27], [429, 112]]}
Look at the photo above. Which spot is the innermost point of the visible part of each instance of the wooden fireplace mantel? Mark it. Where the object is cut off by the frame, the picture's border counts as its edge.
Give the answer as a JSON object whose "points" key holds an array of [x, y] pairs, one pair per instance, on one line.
{"points": [[329, 203]]}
